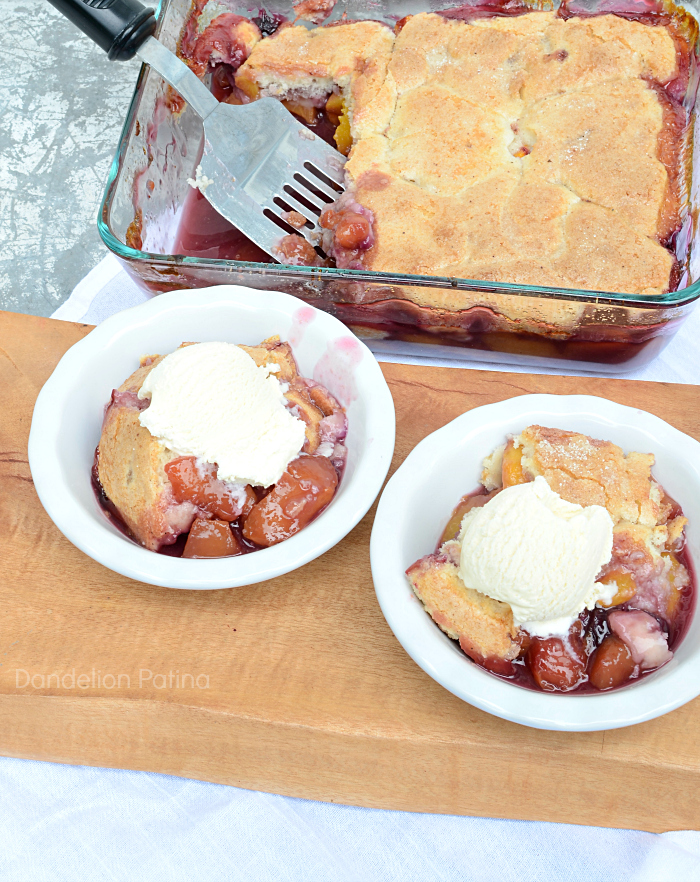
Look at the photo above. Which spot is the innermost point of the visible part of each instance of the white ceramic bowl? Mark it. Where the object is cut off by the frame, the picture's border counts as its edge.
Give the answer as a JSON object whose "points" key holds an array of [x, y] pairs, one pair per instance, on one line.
{"points": [[416, 505], [68, 417]]}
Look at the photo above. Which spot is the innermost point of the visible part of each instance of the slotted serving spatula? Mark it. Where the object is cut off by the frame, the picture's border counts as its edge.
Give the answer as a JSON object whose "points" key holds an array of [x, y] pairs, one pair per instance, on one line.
{"points": [[256, 156]]}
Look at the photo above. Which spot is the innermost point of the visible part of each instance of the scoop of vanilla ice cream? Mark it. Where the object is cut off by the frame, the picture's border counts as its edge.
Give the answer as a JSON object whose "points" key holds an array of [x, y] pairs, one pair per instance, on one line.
{"points": [[530, 548], [212, 401]]}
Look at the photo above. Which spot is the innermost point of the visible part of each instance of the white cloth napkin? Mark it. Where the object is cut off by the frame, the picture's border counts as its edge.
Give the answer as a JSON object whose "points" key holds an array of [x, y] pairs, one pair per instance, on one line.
{"points": [[80, 824], [76, 823]]}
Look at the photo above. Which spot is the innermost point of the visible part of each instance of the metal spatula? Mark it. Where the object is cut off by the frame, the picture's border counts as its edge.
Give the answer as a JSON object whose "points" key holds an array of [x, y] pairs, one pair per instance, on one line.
{"points": [[257, 157]]}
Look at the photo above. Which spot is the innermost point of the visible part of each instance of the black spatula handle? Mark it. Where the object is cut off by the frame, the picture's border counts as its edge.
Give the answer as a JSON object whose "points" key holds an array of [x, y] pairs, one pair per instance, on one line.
{"points": [[117, 26]]}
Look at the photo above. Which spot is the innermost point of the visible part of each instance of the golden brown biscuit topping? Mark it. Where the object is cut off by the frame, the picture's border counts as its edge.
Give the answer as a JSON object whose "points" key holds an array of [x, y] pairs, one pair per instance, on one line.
{"points": [[527, 149]]}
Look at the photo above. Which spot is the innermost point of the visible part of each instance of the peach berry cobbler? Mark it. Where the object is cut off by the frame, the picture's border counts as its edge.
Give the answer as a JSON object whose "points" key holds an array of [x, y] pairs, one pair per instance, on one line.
{"points": [[534, 147], [218, 450], [567, 570]]}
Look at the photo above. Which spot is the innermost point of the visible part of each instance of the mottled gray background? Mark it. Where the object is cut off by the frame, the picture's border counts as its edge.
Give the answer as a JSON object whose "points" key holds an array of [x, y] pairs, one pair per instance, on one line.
{"points": [[62, 106]]}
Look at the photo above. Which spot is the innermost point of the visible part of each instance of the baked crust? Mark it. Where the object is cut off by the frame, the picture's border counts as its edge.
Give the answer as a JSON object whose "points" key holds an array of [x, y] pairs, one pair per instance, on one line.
{"points": [[352, 57], [131, 466], [484, 627], [587, 471], [558, 180], [526, 149]]}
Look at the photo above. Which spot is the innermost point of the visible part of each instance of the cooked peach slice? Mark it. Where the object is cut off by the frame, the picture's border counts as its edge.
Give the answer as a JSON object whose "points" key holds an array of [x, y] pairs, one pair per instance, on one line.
{"points": [[513, 465], [557, 664], [201, 486], [302, 492], [352, 230], [211, 539], [612, 664], [626, 586], [343, 136], [303, 109], [323, 400], [465, 504], [247, 85], [334, 106], [643, 636]]}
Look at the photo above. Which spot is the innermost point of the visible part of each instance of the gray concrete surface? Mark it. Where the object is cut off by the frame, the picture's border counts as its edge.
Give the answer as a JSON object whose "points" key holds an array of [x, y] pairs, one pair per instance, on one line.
{"points": [[62, 106]]}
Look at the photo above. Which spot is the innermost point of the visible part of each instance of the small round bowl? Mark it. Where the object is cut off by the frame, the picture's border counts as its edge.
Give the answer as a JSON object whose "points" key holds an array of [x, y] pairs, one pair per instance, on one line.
{"points": [[68, 414], [417, 503]]}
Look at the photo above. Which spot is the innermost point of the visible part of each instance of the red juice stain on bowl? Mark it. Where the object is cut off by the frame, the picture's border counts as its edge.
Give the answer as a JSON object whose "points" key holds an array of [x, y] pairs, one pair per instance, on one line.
{"points": [[301, 319], [335, 369]]}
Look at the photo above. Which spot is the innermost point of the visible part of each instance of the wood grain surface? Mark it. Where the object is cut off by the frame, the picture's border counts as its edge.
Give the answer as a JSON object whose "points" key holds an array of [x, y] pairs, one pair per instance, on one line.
{"points": [[296, 685]]}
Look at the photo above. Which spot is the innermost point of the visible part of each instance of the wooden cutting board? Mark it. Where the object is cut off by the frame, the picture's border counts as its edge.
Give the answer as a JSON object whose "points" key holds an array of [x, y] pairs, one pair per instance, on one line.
{"points": [[296, 685]]}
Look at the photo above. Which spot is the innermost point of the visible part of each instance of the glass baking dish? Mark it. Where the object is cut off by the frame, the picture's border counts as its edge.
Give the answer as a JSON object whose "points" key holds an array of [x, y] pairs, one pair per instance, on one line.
{"points": [[464, 318]]}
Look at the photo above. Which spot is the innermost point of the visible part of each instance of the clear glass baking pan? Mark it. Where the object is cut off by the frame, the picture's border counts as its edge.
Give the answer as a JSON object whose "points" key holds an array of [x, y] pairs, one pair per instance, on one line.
{"points": [[142, 210]]}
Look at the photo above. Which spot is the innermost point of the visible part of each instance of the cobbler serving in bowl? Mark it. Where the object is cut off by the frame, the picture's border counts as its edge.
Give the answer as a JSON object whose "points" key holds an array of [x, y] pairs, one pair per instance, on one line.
{"points": [[253, 417], [566, 571], [218, 450]]}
